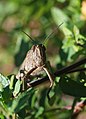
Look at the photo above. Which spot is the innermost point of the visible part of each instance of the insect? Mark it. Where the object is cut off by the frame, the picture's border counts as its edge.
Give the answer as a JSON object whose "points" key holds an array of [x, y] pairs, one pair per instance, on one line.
{"points": [[34, 63]]}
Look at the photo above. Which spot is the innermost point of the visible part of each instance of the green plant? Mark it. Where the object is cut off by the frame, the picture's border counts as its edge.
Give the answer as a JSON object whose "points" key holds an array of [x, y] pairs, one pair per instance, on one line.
{"points": [[66, 51]]}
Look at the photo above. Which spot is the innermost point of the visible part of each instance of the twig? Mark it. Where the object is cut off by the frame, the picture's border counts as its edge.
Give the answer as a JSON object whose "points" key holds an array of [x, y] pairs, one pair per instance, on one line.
{"points": [[70, 68], [77, 70]]}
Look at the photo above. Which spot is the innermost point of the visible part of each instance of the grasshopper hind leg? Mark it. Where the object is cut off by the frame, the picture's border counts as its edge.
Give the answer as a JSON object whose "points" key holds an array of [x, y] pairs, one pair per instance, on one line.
{"points": [[51, 81], [49, 75]]}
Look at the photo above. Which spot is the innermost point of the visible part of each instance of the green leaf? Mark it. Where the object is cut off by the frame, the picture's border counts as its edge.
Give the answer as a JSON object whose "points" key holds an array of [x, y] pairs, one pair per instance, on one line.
{"points": [[20, 101], [67, 43], [77, 54], [2, 116], [3, 82], [72, 87], [62, 1], [17, 88], [59, 16], [40, 111], [6, 94], [67, 32], [76, 32], [21, 45], [12, 80], [52, 100]]}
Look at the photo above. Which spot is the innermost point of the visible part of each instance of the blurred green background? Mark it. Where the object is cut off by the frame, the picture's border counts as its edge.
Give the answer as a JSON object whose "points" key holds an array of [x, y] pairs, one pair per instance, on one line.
{"points": [[39, 18]]}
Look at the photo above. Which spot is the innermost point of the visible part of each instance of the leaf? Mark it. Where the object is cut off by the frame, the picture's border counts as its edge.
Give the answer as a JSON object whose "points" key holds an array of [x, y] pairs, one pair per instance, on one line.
{"points": [[77, 54], [20, 101], [40, 111], [52, 100], [1, 116], [67, 43], [17, 88], [6, 94], [3, 82], [67, 32], [59, 16], [62, 1], [72, 87], [76, 32], [68, 49], [12, 81], [22, 45]]}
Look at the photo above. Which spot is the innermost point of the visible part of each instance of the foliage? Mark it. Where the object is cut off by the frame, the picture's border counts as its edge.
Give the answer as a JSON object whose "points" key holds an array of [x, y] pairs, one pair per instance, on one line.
{"points": [[66, 46]]}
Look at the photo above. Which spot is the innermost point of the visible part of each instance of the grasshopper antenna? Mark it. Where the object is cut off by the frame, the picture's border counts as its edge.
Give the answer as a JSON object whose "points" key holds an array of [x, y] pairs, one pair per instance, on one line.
{"points": [[28, 36], [52, 33]]}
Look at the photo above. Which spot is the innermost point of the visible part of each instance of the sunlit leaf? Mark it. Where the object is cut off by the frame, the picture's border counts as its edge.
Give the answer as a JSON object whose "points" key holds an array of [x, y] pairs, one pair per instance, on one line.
{"points": [[17, 88], [67, 32], [3, 82], [12, 81], [62, 1], [59, 16], [76, 33], [1, 116], [40, 111]]}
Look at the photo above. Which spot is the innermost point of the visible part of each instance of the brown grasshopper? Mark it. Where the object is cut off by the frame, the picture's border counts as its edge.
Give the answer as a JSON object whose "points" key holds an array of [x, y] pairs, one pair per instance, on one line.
{"points": [[35, 62]]}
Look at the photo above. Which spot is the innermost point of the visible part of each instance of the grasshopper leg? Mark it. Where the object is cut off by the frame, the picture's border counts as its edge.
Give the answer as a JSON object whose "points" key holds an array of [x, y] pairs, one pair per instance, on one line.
{"points": [[49, 75], [51, 81]]}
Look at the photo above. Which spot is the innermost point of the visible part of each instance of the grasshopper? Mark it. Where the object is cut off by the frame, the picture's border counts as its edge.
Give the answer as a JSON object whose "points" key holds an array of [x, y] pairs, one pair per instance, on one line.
{"points": [[35, 62]]}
